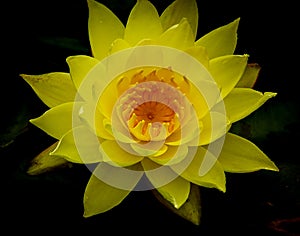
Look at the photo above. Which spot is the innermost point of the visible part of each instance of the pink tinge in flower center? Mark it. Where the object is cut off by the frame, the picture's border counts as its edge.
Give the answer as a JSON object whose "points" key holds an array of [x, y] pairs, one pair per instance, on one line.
{"points": [[152, 110]]}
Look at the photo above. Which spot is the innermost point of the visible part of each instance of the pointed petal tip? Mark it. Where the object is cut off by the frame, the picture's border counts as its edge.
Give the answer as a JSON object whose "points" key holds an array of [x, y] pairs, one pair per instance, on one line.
{"points": [[26, 77], [177, 206], [235, 23], [33, 121], [244, 57], [86, 214], [53, 152], [32, 170], [69, 58], [237, 20], [273, 167], [89, 2], [221, 188], [175, 203], [270, 94]]}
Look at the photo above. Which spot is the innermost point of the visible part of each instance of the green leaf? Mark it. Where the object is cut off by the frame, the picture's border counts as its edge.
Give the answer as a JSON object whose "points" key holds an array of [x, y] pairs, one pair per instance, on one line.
{"points": [[44, 162], [190, 210], [16, 125], [272, 117]]}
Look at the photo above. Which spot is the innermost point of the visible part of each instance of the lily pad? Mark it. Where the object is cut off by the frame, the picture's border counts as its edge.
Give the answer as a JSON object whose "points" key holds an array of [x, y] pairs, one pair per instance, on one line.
{"points": [[16, 126], [273, 117]]}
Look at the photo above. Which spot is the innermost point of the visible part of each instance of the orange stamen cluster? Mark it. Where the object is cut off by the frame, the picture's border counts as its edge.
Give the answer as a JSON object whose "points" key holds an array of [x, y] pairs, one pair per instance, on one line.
{"points": [[151, 103]]}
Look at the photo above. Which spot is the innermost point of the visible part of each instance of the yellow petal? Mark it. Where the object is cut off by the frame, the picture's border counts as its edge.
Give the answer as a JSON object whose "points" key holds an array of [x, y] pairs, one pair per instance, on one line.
{"points": [[116, 155], [215, 125], [179, 36], [173, 155], [143, 22], [221, 41], [104, 27], [187, 133], [108, 99], [53, 88], [190, 210], [178, 138], [100, 197], [179, 9], [214, 177], [175, 191], [88, 146], [227, 71], [241, 102], [96, 121], [57, 120], [118, 45], [79, 67], [161, 151], [250, 76], [145, 42], [200, 54], [240, 155], [153, 149], [203, 100], [122, 135]]}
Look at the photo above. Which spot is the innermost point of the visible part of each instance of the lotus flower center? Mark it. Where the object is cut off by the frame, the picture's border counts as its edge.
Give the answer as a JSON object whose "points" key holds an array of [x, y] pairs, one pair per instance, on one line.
{"points": [[151, 110], [152, 104]]}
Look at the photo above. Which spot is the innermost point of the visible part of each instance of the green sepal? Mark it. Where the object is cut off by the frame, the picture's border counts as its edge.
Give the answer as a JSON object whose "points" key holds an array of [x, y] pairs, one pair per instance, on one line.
{"points": [[250, 76], [190, 210], [44, 162]]}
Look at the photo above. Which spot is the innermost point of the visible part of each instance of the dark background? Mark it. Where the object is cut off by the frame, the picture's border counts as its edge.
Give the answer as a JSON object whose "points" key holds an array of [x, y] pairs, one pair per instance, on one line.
{"points": [[37, 36]]}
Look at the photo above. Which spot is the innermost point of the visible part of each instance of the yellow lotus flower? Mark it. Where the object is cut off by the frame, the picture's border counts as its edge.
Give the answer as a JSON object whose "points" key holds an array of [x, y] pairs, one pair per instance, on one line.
{"points": [[153, 101]]}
